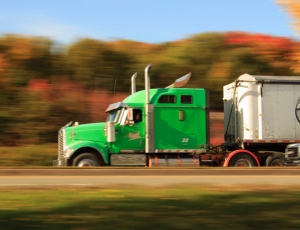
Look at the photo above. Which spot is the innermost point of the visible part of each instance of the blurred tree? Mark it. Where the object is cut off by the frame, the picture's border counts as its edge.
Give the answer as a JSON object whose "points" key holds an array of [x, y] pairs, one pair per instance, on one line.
{"points": [[24, 58], [139, 56], [8, 131], [259, 54], [41, 86], [292, 7], [90, 58], [203, 55]]}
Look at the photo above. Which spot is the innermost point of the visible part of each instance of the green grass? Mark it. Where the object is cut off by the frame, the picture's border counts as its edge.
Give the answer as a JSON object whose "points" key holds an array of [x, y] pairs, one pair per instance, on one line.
{"points": [[28, 155], [150, 208]]}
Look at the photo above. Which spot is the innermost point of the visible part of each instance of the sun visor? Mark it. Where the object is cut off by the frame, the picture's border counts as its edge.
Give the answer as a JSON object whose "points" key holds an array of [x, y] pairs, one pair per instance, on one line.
{"points": [[115, 106]]}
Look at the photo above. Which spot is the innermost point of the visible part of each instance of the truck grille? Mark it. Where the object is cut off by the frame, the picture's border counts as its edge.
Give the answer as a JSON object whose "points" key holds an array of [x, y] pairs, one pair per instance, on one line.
{"points": [[291, 152], [60, 144]]}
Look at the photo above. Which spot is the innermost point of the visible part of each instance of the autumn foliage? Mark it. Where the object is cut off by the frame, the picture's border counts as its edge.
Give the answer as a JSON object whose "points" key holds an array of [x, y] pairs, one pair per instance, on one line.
{"points": [[43, 87], [292, 7]]}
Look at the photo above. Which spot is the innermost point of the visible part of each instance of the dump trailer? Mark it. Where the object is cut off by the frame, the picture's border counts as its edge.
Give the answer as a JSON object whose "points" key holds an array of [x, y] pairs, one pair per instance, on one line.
{"points": [[260, 115], [170, 127]]}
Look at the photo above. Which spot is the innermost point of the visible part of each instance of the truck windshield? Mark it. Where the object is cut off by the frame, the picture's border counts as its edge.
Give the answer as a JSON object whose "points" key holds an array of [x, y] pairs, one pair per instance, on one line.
{"points": [[114, 115]]}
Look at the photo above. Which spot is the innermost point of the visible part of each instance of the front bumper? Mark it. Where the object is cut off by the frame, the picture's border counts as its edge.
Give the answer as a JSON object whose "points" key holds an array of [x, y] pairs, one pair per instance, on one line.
{"points": [[60, 162], [295, 161]]}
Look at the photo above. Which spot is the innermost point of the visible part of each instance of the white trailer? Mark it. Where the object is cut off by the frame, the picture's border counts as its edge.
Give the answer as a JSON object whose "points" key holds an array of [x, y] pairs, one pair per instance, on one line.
{"points": [[262, 113]]}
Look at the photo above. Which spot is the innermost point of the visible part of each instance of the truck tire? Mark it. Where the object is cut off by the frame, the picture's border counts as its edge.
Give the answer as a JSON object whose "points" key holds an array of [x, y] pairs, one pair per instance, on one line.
{"points": [[86, 160], [275, 160], [242, 160]]}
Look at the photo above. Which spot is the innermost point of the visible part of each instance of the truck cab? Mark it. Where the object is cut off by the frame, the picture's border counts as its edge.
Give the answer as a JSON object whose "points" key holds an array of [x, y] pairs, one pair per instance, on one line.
{"points": [[166, 121], [170, 127]]}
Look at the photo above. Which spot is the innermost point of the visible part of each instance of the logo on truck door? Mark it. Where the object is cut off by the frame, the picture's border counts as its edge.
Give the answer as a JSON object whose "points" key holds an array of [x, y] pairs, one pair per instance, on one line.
{"points": [[134, 135]]}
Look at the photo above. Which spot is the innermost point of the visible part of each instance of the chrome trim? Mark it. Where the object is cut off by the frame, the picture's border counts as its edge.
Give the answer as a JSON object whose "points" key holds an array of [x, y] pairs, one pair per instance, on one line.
{"points": [[61, 143]]}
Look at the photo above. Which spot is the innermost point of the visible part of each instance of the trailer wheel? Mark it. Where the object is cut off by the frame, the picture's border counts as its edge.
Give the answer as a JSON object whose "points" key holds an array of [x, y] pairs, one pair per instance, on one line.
{"points": [[275, 160], [242, 160], [86, 160]]}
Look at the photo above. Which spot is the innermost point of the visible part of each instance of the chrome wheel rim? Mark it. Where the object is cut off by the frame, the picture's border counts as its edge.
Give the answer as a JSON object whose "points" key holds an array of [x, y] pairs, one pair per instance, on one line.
{"points": [[242, 163], [86, 163]]}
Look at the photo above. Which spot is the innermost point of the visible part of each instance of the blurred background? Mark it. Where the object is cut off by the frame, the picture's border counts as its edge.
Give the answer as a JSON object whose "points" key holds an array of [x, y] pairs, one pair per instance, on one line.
{"points": [[44, 85]]}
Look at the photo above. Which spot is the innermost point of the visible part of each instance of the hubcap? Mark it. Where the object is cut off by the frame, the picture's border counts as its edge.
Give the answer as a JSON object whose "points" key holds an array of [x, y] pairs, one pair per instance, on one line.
{"points": [[86, 163], [242, 163], [277, 163]]}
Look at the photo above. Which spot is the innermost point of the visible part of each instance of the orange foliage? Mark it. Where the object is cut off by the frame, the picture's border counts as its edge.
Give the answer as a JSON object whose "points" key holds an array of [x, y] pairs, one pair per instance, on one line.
{"points": [[293, 8], [125, 45], [280, 43], [216, 128], [96, 101], [3, 62], [39, 84]]}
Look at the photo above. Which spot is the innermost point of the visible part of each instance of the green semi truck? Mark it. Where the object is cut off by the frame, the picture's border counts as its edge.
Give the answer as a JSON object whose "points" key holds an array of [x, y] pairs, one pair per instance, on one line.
{"points": [[170, 127]]}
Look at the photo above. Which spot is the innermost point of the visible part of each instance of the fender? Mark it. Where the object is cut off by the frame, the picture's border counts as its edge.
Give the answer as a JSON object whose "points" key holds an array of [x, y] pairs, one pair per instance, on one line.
{"points": [[231, 154], [98, 146]]}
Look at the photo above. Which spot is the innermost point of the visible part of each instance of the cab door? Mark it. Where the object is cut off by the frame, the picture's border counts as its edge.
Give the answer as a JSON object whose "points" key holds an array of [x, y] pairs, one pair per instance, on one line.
{"points": [[131, 135]]}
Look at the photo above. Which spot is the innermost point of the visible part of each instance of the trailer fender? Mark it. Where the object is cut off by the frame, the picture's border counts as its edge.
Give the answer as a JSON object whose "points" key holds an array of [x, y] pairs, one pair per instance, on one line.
{"points": [[231, 154]]}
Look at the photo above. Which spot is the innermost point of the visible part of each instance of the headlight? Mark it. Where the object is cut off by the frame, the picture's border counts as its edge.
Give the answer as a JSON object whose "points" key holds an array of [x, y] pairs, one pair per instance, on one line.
{"points": [[290, 152], [68, 152]]}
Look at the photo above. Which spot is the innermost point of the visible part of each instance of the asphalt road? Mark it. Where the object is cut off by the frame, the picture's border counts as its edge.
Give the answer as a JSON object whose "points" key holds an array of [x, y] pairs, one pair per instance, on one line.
{"points": [[149, 177]]}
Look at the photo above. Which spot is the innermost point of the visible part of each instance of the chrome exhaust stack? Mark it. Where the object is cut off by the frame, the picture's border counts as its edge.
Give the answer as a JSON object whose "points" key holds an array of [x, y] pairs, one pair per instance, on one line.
{"points": [[147, 83], [133, 85], [149, 112]]}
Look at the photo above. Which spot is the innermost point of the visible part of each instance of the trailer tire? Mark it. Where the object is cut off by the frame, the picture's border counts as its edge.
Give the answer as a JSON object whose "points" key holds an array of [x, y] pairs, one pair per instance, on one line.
{"points": [[86, 160], [242, 160], [275, 160]]}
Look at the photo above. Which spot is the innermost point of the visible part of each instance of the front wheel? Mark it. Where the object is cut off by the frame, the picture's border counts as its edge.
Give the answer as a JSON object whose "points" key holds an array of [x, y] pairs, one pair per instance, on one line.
{"points": [[86, 160], [242, 160]]}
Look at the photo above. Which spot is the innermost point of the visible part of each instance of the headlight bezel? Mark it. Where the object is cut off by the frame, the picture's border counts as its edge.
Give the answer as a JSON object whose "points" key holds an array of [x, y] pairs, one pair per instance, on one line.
{"points": [[68, 152]]}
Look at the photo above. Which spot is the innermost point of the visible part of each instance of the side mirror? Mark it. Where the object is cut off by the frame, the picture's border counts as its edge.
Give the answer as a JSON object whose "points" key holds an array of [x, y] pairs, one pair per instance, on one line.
{"points": [[130, 114]]}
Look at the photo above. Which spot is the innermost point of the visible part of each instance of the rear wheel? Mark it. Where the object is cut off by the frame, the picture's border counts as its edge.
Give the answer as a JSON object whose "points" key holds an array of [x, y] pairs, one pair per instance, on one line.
{"points": [[275, 160], [86, 160], [242, 160]]}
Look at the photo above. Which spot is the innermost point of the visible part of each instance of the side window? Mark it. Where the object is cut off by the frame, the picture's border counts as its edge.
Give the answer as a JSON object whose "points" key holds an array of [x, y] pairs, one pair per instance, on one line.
{"points": [[137, 113], [167, 99], [133, 116], [186, 99]]}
